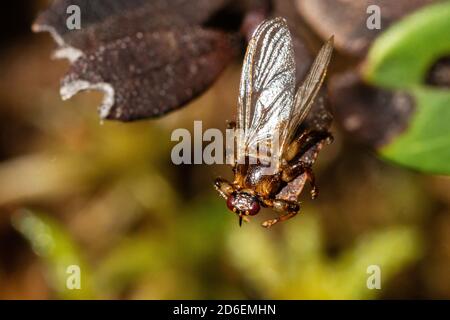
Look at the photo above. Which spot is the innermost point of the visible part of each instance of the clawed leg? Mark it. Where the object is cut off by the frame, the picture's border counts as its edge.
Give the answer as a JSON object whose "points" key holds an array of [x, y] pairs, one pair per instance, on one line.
{"points": [[288, 210], [312, 182], [296, 165], [224, 188], [305, 141], [293, 171]]}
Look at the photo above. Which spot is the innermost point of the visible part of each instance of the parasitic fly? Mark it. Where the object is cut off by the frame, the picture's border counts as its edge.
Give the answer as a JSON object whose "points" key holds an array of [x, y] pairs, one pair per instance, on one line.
{"points": [[275, 153]]}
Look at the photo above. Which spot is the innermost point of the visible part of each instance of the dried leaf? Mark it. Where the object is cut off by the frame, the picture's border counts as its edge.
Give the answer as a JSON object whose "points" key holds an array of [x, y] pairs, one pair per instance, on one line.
{"points": [[373, 116], [149, 57], [439, 74], [106, 20], [150, 74], [347, 20]]}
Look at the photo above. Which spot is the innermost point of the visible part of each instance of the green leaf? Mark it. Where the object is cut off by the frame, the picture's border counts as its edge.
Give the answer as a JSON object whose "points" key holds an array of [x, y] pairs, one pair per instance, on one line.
{"points": [[400, 59], [426, 144], [59, 253]]}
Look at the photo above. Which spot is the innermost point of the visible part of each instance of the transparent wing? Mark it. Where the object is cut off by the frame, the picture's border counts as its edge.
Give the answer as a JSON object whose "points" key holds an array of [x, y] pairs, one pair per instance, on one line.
{"points": [[308, 90], [266, 96]]}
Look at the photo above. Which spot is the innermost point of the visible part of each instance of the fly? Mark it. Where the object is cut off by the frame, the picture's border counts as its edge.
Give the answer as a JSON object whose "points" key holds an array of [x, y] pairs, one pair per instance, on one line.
{"points": [[269, 116]]}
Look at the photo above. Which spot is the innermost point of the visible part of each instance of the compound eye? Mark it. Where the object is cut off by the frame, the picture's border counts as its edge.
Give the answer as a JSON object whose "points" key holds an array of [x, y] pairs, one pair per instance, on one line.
{"points": [[254, 209], [230, 203]]}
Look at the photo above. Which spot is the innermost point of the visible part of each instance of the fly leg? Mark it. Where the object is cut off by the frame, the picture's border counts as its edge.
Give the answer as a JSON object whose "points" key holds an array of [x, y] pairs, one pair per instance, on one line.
{"points": [[224, 188], [300, 160], [305, 141], [287, 208], [291, 172]]}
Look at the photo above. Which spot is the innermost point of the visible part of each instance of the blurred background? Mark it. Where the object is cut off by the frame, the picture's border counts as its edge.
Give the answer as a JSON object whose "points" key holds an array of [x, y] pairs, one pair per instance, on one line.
{"points": [[105, 196]]}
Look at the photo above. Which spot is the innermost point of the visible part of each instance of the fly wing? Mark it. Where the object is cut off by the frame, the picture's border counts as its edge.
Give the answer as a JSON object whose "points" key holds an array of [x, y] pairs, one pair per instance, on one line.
{"points": [[266, 96], [307, 92]]}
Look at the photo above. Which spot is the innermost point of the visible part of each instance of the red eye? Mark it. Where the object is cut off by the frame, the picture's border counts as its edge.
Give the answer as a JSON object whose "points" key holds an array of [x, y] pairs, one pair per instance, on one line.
{"points": [[255, 208], [243, 203]]}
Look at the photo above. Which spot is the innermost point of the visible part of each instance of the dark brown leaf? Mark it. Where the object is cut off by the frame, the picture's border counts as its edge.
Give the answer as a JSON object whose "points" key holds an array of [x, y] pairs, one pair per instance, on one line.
{"points": [[151, 73], [372, 116], [347, 19], [439, 74], [104, 20], [149, 57]]}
